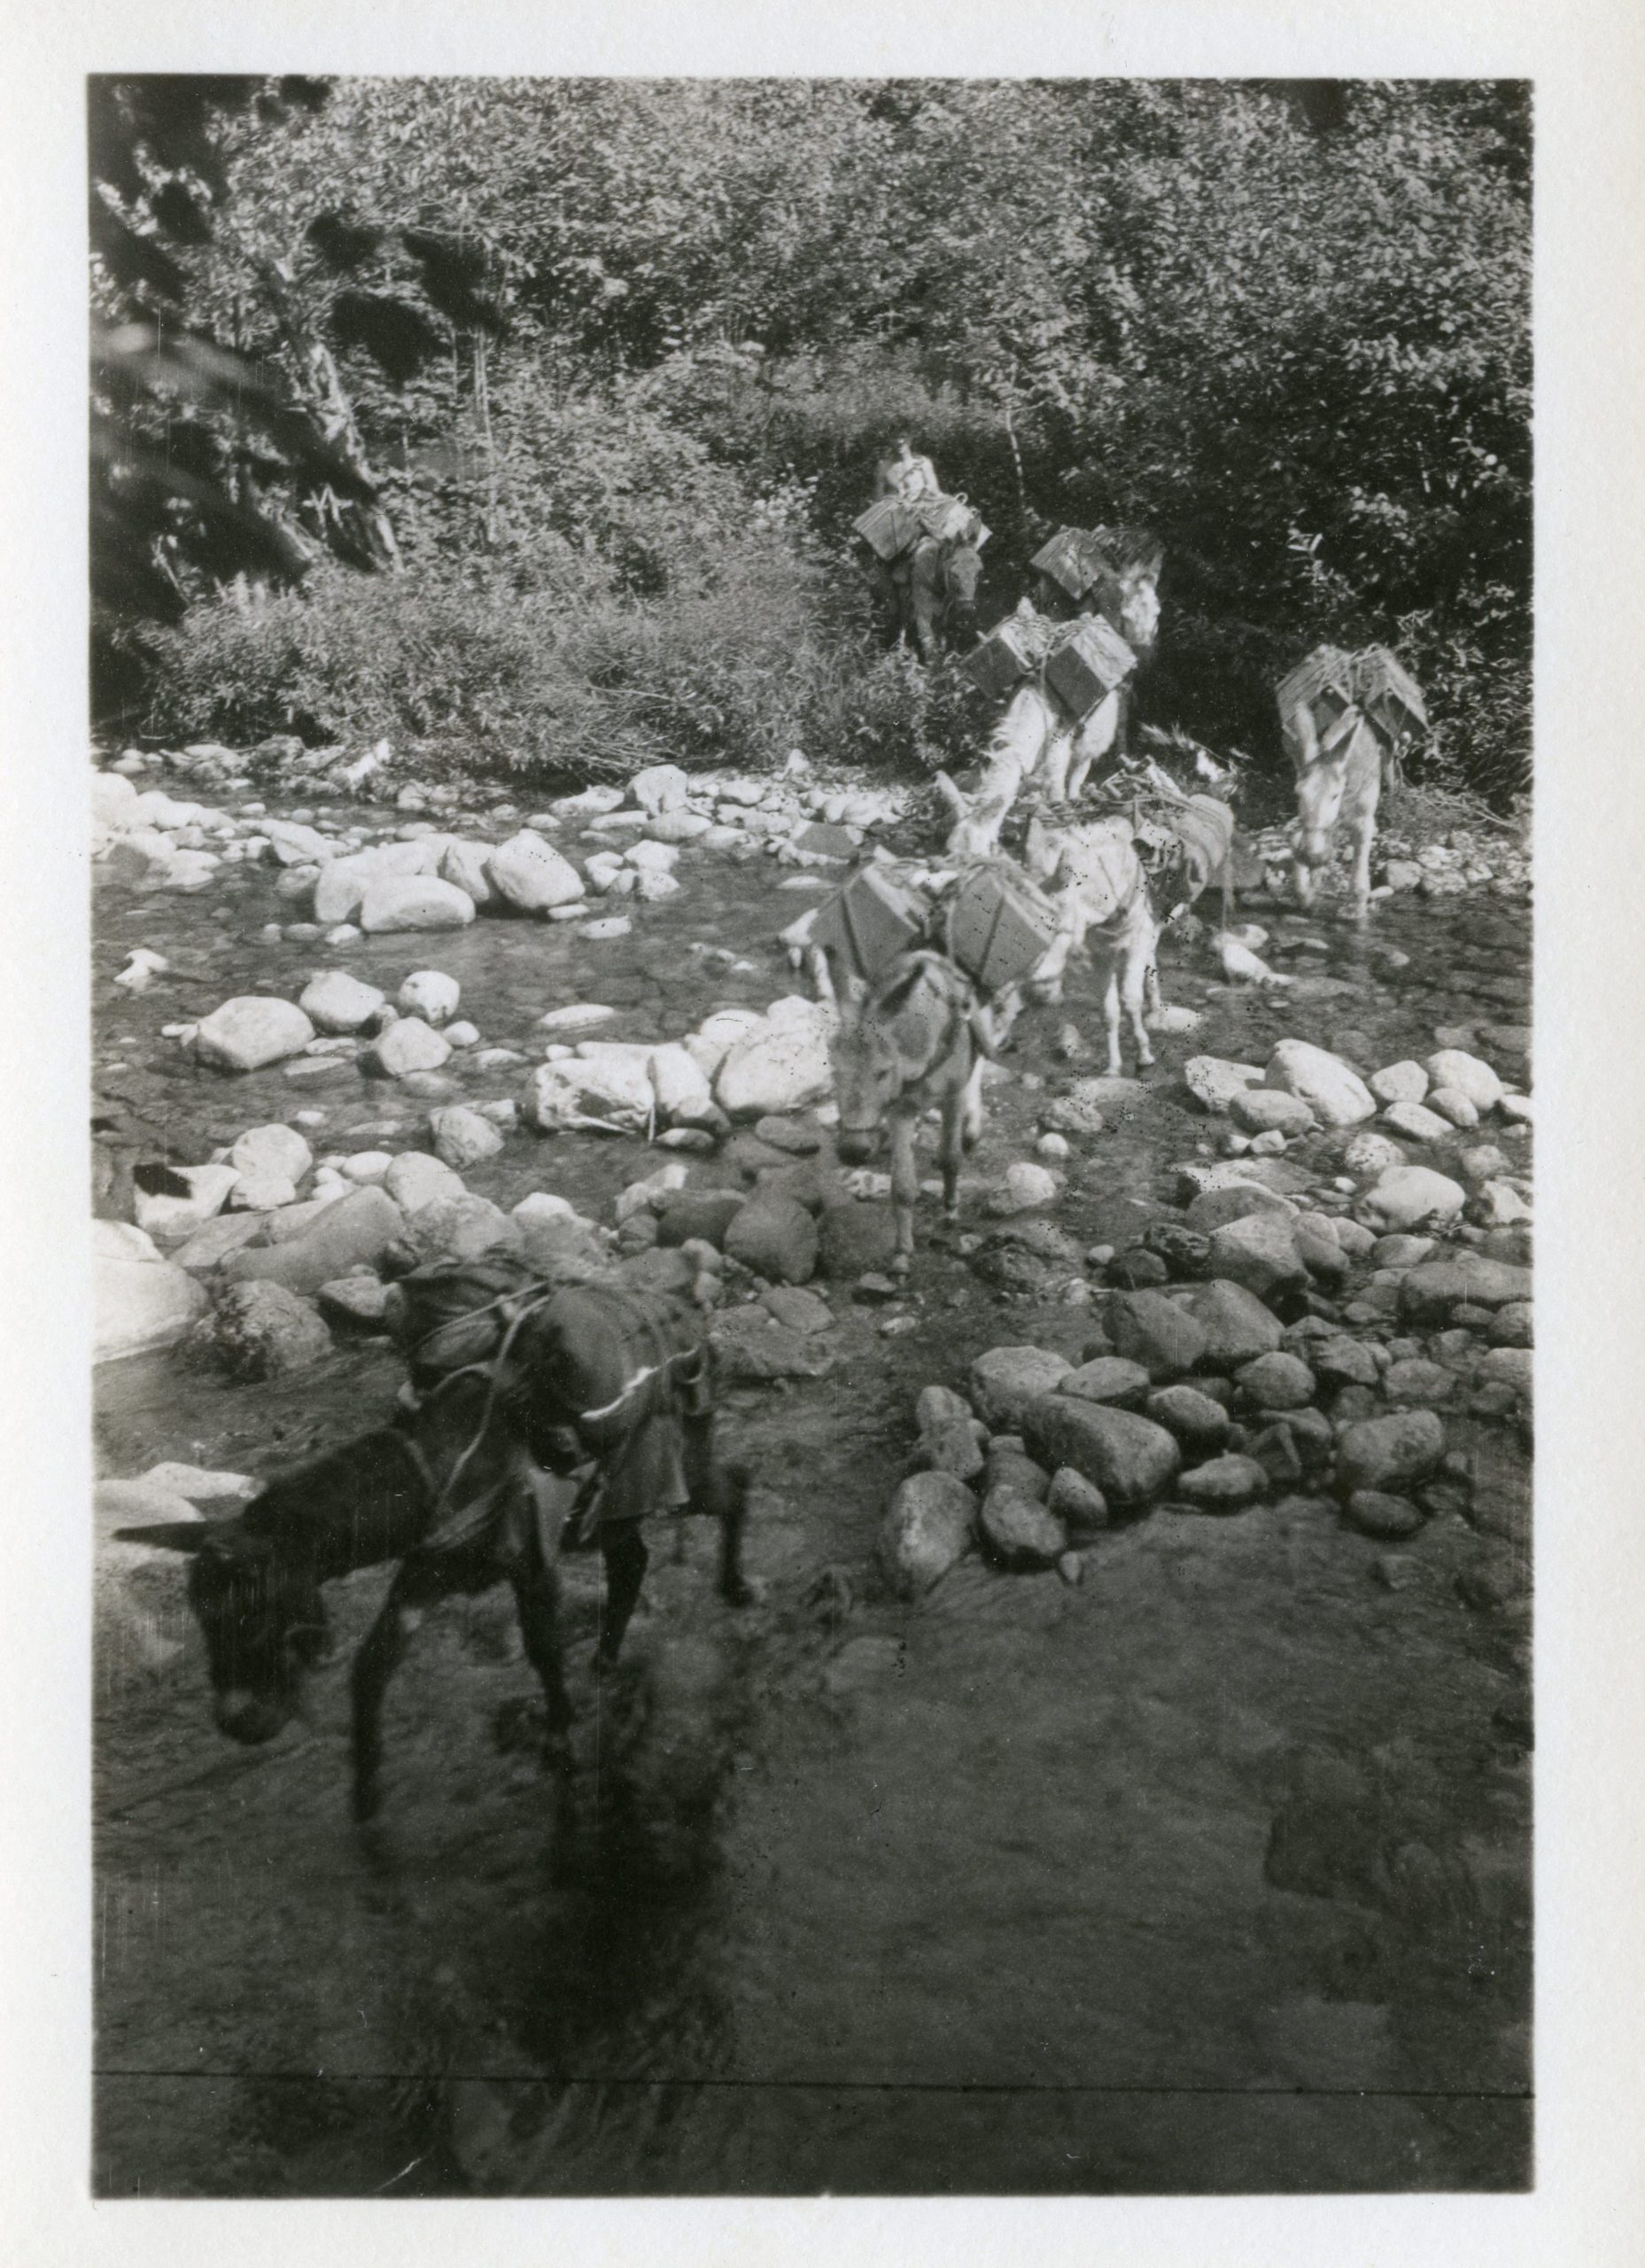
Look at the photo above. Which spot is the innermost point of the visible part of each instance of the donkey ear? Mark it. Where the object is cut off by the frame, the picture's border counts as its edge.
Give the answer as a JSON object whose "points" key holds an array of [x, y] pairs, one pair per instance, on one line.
{"points": [[191, 1536]]}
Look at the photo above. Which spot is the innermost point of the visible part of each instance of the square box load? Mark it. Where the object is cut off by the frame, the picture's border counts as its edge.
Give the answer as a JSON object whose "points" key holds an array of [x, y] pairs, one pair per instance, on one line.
{"points": [[1083, 668], [1390, 696], [1323, 684], [999, 927], [870, 920], [1005, 656], [889, 527]]}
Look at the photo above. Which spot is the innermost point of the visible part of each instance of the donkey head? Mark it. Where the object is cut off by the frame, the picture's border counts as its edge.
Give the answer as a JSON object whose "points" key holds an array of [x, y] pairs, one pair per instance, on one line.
{"points": [[259, 1612], [1139, 612], [867, 1078], [1320, 791], [254, 1581]]}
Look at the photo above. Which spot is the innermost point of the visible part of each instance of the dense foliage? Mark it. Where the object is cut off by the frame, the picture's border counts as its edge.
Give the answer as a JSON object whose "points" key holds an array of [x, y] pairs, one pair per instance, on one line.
{"points": [[618, 356]]}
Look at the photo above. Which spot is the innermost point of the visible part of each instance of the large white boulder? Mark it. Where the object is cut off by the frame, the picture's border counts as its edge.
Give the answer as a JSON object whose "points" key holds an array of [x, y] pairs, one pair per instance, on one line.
{"points": [[351, 1231], [464, 864], [415, 1179], [342, 885], [140, 857], [413, 902], [140, 1300], [682, 1086], [1405, 1195], [530, 874], [712, 1042], [335, 1002], [1454, 1068], [428, 993], [616, 1078], [581, 1015], [297, 846], [660, 787], [782, 1068], [1332, 1090], [1213, 1082], [191, 871], [462, 1137], [278, 1150], [408, 1044], [250, 1030], [1402, 1082], [114, 800], [171, 1219]]}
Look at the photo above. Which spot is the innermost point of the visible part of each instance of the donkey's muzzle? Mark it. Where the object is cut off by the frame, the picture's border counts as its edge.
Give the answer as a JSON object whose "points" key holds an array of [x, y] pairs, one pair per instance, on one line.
{"points": [[857, 1143], [249, 1718]]}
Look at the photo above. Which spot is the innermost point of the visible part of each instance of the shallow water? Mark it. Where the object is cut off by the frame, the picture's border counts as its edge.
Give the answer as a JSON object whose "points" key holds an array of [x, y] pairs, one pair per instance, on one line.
{"points": [[1212, 1873]]}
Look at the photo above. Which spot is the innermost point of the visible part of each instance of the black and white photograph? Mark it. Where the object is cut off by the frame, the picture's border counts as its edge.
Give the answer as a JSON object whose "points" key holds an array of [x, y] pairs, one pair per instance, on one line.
{"points": [[813, 1096]]}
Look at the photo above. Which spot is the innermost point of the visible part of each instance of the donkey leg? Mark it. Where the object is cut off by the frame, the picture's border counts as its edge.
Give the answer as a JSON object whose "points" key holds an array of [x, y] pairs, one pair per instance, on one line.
{"points": [[1364, 831], [1111, 1019], [411, 1591], [536, 1585], [624, 1550], [719, 1492], [954, 1145], [971, 1109], [821, 976], [728, 1500], [1136, 985], [905, 1189]]}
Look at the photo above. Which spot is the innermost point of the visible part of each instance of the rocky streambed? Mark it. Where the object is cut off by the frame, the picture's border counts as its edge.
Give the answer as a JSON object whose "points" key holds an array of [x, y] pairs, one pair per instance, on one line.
{"points": [[1123, 1782]]}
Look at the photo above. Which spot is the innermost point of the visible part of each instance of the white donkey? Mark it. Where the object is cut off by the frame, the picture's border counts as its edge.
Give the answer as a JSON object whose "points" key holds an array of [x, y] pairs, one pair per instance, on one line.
{"points": [[1033, 741], [1096, 875], [1339, 777]]}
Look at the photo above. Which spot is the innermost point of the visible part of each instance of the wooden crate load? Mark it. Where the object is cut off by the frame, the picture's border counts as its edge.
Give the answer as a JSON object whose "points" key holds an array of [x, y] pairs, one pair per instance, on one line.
{"points": [[871, 918], [1012, 649], [950, 519], [1000, 927], [889, 527], [1084, 666], [1390, 696], [1323, 684], [1073, 560]]}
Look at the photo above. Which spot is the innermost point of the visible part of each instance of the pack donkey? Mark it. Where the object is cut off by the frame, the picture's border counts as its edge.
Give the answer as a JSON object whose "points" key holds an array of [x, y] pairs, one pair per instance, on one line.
{"points": [[1339, 776], [1033, 741], [918, 1037], [928, 595], [472, 1488], [1117, 881], [1342, 717]]}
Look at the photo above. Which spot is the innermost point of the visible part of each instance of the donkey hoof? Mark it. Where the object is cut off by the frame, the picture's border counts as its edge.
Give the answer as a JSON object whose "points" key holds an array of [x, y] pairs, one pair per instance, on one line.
{"points": [[901, 1265], [605, 1660], [367, 1802], [737, 1590]]}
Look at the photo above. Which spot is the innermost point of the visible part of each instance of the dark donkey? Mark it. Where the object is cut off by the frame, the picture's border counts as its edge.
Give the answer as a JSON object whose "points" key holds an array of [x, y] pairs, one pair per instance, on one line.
{"points": [[456, 1493]]}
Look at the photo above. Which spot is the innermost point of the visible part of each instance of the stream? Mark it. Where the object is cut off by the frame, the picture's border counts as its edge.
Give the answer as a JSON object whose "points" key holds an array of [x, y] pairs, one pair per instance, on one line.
{"points": [[1211, 1873]]}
